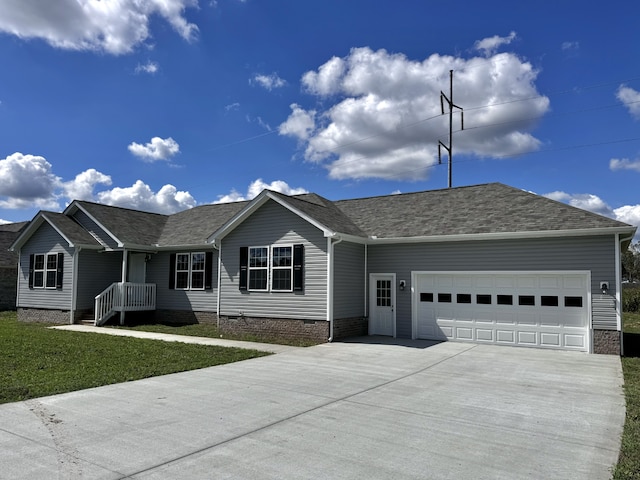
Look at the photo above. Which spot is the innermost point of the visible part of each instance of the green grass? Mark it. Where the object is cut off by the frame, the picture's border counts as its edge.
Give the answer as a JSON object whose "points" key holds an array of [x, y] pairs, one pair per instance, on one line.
{"points": [[628, 467], [36, 361], [211, 331]]}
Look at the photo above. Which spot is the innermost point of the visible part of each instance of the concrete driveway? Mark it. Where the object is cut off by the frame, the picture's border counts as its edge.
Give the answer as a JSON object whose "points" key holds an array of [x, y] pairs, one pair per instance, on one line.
{"points": [[342, 410]]}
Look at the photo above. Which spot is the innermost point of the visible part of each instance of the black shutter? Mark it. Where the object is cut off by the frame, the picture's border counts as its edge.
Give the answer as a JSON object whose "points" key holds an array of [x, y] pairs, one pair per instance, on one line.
{"points": [[208, 270], [244, 264], [31, 262], [172, 271], [60, 270], [298, 267]]}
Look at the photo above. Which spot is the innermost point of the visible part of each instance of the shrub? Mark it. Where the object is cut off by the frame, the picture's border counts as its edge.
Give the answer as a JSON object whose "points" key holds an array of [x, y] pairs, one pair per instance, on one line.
{"points": [[631, 300]]}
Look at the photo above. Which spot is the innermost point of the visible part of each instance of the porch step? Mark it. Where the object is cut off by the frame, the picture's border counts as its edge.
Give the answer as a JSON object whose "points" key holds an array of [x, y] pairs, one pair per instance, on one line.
{"points": [[87, 319]]}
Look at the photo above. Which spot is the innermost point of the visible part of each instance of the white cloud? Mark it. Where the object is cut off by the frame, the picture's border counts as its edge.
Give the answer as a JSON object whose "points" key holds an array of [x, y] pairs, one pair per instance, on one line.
{"points": [[139, 196], [111, 26], [624, 164], [258, 186], [300, 124], [27, 181], [81, 187], [629, 214], [630, 98], [268, 82], [570, 46], [385, 121], [488, 46], [4, 222], [150, 67], [157, 149], [232, 106]]}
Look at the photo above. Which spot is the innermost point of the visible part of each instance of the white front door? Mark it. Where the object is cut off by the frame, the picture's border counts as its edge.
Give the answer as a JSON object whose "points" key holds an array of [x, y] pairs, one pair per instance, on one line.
{"points": [[382, 303], [137, 268]]}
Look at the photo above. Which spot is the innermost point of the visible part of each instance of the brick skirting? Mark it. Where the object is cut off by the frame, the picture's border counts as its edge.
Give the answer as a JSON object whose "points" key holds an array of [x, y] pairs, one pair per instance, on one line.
{"points": [[606, 341], [43, 316]]}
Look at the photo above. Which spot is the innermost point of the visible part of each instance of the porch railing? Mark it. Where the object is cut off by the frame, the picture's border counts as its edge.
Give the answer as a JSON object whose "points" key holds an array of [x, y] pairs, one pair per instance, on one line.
{"points": [[124, 297]]}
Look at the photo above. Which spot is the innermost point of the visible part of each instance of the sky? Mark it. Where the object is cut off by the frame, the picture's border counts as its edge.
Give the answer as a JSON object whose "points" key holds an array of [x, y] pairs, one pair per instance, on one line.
{"points": [[162, 105]]}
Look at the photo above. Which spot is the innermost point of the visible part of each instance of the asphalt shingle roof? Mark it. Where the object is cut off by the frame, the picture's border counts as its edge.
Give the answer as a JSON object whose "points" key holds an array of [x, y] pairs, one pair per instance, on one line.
{"points": [[489, 208], [9, 232], [70, 229], [133, 227]]}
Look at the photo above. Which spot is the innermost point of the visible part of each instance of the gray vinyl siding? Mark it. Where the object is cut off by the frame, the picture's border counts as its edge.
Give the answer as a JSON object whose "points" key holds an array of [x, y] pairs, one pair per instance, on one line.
{"points": [[273, 224], [45, 240], [594, 254], [158, 272], [93, 228], [96, 271], [349, 280]]}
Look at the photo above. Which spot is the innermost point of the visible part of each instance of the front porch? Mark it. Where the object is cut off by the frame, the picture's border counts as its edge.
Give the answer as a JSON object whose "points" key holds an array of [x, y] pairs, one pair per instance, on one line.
{"points": [[122, 297]]}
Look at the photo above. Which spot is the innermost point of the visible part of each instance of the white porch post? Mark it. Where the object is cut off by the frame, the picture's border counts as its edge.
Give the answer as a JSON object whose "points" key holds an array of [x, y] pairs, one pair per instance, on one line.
{"points": [[123, 301]]}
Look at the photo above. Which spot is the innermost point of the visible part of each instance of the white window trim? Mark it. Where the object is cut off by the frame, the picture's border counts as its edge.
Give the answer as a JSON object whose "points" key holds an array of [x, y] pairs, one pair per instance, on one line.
{"points": [[190, 271], [45, 270], [250, 268], [270, 268]]}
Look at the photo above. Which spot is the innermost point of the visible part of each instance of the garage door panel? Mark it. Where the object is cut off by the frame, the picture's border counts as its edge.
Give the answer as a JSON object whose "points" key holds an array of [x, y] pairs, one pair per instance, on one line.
{"points": [[512, 308]]}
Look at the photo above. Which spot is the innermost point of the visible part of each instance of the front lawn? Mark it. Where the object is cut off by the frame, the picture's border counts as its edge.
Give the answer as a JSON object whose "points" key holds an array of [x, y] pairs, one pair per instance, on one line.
{"points": [[628, 467], [36, 361]]}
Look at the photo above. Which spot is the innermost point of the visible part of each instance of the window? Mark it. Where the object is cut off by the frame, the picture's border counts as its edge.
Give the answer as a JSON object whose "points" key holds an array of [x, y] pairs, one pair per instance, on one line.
{"points": [[526, 300], [426, 297], [505, 299], [383, 293], [46, 270], [258, 268], [483, 299], [463, 298], [444, 297], [549, 301], [276, 268], [573, 302], [191, 271]]}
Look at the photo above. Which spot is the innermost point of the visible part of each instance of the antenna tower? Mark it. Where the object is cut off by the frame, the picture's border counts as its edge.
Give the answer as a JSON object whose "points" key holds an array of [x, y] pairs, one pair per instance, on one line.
{"points": [[449, 100]]}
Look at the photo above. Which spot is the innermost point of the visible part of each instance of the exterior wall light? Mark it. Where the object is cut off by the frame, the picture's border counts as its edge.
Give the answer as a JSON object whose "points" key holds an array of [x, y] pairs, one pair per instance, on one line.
{"points": [[604, 286], [402, 284]]}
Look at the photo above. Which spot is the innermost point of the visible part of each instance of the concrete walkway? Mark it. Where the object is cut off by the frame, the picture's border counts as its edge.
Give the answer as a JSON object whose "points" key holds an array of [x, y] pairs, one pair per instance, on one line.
{"points": [[370, 408], [168, 337]]}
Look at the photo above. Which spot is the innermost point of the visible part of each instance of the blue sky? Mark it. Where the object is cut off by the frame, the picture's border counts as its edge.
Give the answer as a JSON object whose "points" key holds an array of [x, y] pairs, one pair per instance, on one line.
{"points": [[166, 104]]}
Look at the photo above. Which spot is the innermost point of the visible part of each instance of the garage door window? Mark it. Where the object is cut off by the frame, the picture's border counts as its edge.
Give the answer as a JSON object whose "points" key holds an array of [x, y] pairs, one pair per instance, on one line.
{"points": [[573, 302], [505, 299], [463, 298], [549, 301], [483, 299], [526, 300], [426, 297], [444, 297]]}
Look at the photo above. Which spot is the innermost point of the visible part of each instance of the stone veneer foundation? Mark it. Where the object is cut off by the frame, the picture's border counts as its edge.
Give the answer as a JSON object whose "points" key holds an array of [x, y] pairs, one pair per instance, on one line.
{"points": [[606, 341]]}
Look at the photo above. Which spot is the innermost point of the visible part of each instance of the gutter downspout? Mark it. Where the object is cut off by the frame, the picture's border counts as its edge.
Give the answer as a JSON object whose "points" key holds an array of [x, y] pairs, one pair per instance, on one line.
{"points": [[619, 287], [123, 301], [219, 248], [330, 281], [18, 270]]}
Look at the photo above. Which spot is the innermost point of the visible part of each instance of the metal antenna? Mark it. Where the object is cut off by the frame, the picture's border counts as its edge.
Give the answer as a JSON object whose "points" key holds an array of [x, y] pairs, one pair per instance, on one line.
{"points": [[452, 105]]}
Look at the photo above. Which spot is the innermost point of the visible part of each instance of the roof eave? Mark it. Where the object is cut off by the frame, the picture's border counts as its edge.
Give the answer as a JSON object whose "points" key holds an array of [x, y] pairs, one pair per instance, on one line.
{"points": [[505, 235]]}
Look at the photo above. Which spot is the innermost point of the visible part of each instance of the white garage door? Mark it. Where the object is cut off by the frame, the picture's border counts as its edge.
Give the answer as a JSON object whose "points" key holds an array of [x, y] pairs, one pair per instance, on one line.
{"points": [[547, 310]]}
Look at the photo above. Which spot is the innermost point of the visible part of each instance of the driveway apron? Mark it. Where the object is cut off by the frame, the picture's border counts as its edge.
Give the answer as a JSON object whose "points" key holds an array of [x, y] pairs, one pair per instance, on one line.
{"points": [[368, 408]]}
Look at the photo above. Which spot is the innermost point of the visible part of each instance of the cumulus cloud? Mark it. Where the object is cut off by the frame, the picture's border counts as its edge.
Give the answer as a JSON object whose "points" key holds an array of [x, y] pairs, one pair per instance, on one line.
{"points": [[488, 46], [150, 67], [300, 124], [268, 82], [83, 185], [111, 26], [140, 196], [157, 149], [27, 181], [630, 98], [382, 116], [258, 186], [4, 222], [624, 164]]}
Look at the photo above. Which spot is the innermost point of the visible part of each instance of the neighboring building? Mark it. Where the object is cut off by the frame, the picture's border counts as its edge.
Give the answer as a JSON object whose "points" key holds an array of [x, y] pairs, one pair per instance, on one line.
{"points": [[9, 264], [487, 263]]}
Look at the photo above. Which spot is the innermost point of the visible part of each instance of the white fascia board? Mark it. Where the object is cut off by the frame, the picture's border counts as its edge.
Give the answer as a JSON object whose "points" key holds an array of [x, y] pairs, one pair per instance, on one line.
{"points": [[105, 229], [504, 236], [35, 224], [255, 204]]}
